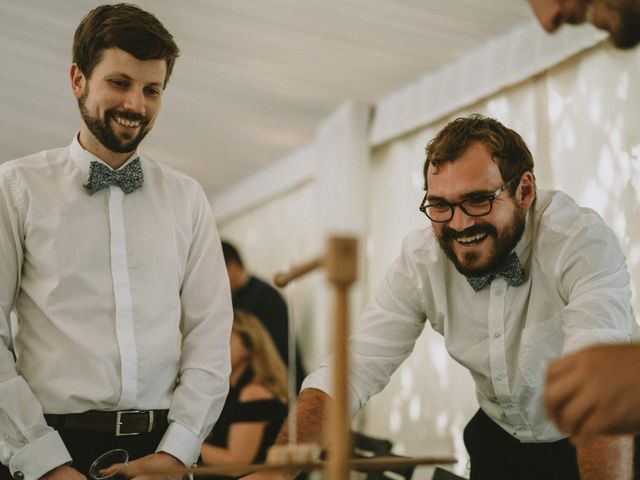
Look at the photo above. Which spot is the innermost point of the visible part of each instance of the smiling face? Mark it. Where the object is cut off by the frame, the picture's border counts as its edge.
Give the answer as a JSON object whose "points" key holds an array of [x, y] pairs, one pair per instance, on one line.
{"points": [[621, 18], [477, 245], [118, 103]]}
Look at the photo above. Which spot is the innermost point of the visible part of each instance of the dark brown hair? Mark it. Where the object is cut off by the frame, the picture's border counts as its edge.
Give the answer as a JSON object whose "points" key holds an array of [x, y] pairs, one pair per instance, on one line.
{"points": [[127, 27], [506, 147]]}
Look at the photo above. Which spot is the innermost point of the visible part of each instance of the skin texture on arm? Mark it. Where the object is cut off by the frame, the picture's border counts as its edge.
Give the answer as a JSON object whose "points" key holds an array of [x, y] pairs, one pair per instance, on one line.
{"points": [[157, 460], [244, 438], [64, 472], [595, 391], [603, 458], [312, 410]]}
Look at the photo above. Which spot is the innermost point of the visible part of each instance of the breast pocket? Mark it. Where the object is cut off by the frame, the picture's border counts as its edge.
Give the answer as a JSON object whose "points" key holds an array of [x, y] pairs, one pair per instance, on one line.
{"points": [[541, 343]]}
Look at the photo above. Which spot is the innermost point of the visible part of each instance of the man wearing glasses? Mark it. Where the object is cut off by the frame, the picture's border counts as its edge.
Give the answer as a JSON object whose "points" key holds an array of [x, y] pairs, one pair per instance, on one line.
{"points": [[512, 278]]}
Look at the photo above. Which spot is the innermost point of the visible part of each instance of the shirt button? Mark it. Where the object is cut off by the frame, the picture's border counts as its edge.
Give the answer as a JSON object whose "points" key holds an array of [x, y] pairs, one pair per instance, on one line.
{"points": [[509, 406], [18, 476], [496, 335], [499, 292], [499, 377]]}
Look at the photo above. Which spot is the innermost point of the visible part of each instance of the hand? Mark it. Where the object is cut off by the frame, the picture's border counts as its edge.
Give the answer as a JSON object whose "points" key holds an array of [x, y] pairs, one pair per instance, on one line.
{"points": [[159, 460], [595, 391], [63, 472]]}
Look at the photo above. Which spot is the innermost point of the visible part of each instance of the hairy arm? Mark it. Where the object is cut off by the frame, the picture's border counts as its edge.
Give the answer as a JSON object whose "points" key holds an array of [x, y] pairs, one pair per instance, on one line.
{"points": [[604, 458]]}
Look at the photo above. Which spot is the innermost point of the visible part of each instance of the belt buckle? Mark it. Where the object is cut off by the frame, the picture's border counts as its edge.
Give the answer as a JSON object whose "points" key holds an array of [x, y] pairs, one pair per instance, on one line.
{"points": [[119, 415]]}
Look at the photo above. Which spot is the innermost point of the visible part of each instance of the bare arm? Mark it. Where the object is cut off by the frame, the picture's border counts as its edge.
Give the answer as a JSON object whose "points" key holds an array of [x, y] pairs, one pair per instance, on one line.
{"points": [[312, 410], [606, 458]]}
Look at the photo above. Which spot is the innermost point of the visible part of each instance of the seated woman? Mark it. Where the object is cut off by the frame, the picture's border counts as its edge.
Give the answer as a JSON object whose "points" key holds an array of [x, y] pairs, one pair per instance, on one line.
{"points": [[256, 405]]}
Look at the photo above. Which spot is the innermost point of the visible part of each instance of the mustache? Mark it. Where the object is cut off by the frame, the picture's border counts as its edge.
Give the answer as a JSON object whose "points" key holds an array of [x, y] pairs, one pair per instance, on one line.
{"points": [[449, 234], [127, 115]]}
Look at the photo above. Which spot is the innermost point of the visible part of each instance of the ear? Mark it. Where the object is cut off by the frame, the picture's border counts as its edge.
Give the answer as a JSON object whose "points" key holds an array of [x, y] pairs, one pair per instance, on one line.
{"points": [[78, 81], [526, 192]]}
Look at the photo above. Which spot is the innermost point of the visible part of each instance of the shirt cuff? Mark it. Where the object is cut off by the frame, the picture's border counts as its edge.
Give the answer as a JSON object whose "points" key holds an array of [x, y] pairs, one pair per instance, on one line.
{"points": [[181, 443], [40, 456]]}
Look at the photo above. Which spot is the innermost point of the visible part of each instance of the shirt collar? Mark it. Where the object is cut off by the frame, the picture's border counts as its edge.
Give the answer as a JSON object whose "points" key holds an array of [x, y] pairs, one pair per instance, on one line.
{"points": [[83, 158]]}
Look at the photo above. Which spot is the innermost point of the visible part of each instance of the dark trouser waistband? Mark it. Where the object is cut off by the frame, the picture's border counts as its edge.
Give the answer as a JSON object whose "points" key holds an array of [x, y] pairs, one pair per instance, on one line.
{"points": [[118, 423]]}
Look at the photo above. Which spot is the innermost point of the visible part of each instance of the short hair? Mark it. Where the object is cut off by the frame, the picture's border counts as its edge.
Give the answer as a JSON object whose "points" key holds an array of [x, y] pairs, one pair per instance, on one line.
{"points": [[506, 146], [126, 27], [231, 253]]}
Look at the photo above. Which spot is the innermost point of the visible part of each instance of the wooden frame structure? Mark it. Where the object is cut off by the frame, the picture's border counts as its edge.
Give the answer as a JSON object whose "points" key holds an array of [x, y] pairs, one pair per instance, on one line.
{"points": [[340, 262]]}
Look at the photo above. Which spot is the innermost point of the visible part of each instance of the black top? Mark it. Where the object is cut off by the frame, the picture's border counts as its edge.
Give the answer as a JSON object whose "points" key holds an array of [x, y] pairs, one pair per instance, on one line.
{"points": [[273, 411], [264, 301]]}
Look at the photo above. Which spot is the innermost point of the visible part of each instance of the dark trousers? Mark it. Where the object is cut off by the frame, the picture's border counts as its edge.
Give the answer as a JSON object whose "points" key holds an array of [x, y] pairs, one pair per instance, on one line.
{"points": [[85, 447], [496, 455]]}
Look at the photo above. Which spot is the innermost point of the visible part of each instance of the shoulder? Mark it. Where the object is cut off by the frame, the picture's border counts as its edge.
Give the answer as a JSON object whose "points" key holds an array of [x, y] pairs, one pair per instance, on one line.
{"points": [[254, 391], [168, 176], [559, 216], [43, 159]]}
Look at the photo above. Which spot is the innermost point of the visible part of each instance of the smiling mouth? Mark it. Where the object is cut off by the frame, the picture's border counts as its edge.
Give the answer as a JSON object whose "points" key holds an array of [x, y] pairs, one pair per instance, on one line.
{"points": [[472, 240], [126, 122]]}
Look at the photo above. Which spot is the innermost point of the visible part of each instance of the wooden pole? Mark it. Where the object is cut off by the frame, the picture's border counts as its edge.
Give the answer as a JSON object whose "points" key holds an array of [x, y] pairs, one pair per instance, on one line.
{"points": [[341, 265]]}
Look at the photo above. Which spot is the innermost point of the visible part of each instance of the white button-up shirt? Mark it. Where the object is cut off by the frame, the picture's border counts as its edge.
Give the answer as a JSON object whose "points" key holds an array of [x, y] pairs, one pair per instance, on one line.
{"points": [[122, 302], [576, 293]]}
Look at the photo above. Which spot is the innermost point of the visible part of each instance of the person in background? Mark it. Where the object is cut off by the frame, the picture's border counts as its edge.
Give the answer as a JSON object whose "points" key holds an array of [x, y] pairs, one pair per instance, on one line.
{"points": [[112, 263], [621, 18], [257, 402], [595, 391], [254, 295], [512, 277]]}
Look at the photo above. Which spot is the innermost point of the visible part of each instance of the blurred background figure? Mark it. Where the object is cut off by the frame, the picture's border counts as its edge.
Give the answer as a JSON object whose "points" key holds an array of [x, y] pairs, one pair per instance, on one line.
{"points": [[256, 296], [621, 18], [257, 402]]}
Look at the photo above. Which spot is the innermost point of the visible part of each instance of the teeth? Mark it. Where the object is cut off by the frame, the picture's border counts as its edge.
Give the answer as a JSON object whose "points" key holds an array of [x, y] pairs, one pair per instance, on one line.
{"points": [[126, 122], [472, 239]]}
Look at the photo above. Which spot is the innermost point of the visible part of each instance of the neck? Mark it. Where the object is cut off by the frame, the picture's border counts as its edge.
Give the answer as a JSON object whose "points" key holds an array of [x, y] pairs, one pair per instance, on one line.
{"points": [[91, 144]]}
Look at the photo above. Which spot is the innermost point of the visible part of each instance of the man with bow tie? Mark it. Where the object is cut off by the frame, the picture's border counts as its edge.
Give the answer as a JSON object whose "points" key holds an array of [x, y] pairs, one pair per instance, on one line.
{"points": [[113, 265], [512, 278]]}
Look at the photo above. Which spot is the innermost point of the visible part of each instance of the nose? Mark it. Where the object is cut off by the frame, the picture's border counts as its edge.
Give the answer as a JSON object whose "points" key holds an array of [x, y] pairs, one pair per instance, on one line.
{"points": [[549, 13], [135, 101], [460, 220]]}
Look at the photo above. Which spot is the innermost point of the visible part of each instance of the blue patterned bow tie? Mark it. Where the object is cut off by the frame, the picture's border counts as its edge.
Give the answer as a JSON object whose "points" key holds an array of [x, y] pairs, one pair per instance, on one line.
{"points": [[511, 270], [129, 178]]}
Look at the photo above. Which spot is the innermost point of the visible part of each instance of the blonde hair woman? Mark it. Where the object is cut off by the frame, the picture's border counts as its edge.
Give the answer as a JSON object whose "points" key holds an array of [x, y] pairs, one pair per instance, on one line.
{"points": [[257, 402]]}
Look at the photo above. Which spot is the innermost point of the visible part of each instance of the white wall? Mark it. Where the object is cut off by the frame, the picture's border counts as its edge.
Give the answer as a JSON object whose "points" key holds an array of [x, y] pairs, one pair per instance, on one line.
{"points": [[579, 119]]}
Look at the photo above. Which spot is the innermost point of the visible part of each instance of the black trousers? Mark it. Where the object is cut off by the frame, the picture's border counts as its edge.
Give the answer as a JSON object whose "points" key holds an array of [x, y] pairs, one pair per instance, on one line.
{"points": [[85, 447], [496, 455]]}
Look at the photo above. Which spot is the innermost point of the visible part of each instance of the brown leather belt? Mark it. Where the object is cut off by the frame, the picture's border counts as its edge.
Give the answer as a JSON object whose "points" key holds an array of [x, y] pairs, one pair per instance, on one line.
{"points": [[123, 422]]}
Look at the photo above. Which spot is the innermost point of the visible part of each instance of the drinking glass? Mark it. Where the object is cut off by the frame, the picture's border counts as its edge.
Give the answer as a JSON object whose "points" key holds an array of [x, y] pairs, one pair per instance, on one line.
{"points": [[106, 460]]}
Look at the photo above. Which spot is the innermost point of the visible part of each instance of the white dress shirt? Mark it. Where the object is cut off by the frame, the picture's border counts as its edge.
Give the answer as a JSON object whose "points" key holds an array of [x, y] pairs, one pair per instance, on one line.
{"points": [[122, 302], [576, 293]]}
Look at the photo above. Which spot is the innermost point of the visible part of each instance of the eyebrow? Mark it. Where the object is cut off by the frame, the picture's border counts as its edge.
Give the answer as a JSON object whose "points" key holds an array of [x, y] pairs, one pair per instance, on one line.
{"points": [[127, 77], [475, 193]]}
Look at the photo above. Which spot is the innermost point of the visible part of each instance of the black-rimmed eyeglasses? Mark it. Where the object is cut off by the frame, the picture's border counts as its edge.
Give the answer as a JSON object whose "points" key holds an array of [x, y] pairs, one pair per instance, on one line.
{"points": [[440, 211]]}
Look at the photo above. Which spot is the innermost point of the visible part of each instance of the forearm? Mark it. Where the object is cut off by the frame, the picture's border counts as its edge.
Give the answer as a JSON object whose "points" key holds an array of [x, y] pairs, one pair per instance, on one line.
{"points": [[311, 410], [606, 458]]}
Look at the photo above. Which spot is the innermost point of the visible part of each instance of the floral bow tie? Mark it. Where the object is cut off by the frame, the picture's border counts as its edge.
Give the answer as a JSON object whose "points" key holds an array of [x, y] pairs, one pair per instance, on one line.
{"points": [[511, 270], [129, 178]]}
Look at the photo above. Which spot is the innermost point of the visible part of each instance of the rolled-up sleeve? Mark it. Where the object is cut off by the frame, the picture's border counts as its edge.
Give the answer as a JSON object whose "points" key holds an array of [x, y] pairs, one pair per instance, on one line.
{"points": [[386, 334], [594, 280]]}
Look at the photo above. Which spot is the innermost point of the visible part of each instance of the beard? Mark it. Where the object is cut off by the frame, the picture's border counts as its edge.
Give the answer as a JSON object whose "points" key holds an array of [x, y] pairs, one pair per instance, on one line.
{"points": [[101, 129], [505, 242], [627, 35]]}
